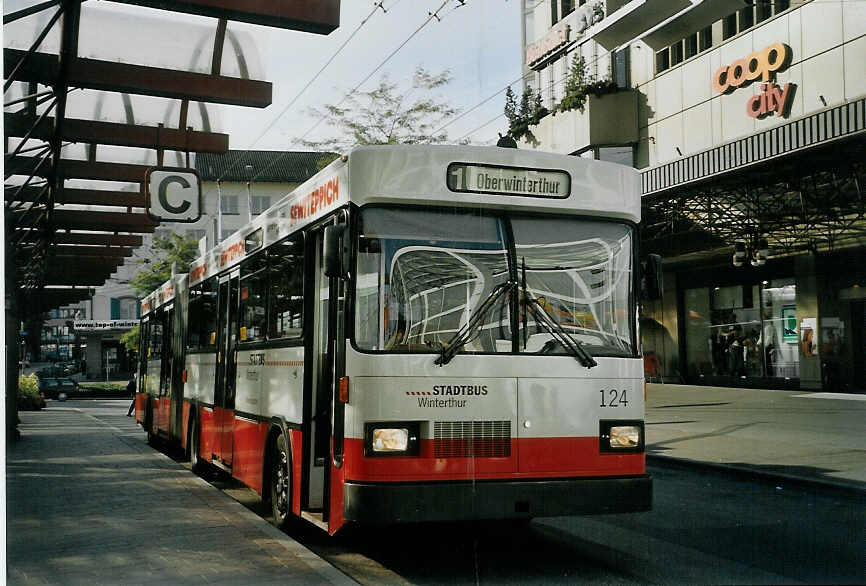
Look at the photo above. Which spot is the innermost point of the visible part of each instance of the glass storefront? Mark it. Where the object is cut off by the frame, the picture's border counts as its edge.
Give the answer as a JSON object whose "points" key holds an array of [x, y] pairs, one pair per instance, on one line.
{"points": [[742, 332]]}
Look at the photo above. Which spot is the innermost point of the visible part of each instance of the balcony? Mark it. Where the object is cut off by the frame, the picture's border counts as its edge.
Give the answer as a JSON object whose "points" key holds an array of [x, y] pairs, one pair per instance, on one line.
{"points": [[623, 21], [610, 119]]}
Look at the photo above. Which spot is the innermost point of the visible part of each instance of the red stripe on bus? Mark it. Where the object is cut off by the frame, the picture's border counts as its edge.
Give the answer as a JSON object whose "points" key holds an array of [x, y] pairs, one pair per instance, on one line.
{"points": [[530, 458]]}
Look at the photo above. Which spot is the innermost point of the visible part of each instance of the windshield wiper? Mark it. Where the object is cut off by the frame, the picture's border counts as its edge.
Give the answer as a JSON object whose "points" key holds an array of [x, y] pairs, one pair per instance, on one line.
{"points": [[462, 336], [553, 327]]}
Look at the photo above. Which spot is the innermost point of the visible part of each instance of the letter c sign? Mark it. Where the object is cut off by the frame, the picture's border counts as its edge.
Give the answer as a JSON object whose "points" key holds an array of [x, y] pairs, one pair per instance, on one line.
{"points": [[173, 194]]}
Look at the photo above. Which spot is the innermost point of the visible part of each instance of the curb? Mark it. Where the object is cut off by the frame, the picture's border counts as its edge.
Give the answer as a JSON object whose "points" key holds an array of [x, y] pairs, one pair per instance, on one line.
{"points": [[804, 481]]}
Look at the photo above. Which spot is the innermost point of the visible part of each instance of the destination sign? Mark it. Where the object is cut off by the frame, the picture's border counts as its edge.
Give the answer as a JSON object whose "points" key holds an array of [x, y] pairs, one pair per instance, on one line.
{"points": [[471, 178]]}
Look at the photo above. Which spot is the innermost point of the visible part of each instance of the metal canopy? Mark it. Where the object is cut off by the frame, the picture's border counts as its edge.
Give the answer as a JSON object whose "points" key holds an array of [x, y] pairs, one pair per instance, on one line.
{"points": [[809, 200], [97, 93]]}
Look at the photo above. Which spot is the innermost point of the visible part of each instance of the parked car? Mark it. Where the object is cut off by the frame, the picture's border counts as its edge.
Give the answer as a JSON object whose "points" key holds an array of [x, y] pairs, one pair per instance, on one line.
{"points": [[52, 387]]}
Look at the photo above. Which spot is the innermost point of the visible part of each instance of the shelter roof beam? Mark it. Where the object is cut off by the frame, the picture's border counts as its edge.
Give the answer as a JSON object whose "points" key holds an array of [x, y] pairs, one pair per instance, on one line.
{"points": [[141, 79], [312, 16], [117, 134]]}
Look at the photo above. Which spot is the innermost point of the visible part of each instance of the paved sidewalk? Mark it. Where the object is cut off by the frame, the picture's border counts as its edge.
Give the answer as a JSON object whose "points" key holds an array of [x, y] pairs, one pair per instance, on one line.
{"points": [[809, 436], [89, 502]]}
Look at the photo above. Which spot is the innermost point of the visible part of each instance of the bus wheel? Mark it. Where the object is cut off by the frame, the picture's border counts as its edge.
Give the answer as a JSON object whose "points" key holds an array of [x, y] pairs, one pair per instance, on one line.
{"points": [[280, 483], [197, 463]]}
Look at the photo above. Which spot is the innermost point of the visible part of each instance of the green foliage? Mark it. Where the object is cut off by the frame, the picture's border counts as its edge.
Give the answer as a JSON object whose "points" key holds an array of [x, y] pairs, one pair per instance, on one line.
{"points": [[579, 85], [528, 113], [173, 249], [130, 339], [386, 115], [29, 398]]}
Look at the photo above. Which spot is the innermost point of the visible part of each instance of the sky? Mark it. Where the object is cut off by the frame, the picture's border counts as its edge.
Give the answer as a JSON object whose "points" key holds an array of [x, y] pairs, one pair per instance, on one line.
{"points": [[478, 42]]}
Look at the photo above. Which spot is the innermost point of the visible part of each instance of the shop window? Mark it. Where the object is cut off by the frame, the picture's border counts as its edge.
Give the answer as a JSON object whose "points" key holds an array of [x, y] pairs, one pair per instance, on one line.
{"points": [[286, 289]]}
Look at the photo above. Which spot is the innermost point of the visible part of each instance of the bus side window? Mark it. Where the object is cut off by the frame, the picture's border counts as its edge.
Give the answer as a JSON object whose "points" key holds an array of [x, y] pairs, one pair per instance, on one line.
{"points": [[286, 298], [254, 282], [206, 326]]}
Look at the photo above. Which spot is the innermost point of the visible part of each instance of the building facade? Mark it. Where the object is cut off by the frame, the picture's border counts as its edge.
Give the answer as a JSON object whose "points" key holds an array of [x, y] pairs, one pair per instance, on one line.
{"points": [[748, 123]]}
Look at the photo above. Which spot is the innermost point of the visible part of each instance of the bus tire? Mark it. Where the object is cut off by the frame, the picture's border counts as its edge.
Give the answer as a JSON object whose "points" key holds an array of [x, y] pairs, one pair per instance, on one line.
{"points": [[280, 483], [197, 464], [148, 425]]}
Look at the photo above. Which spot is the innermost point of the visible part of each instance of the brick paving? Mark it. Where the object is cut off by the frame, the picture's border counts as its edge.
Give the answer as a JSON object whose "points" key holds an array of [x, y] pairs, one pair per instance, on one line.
{"points": [[89, 502]]}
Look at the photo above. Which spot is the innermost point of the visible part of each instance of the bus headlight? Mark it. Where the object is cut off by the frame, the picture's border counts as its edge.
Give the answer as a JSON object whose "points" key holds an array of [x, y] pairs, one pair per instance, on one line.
{"points": [[621, 436], [391, 438]]}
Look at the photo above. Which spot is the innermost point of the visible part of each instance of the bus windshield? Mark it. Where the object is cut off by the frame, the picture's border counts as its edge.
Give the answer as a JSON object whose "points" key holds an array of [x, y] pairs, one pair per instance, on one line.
{"points": [[422, 275]]}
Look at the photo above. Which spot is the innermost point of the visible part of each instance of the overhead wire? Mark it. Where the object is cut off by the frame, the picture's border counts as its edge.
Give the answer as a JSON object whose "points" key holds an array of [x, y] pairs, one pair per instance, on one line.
{"points": [[376, 6], [430, 17]]}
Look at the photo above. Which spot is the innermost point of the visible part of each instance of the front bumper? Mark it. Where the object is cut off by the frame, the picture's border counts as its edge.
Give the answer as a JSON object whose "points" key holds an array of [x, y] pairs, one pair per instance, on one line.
{"points": [[494, 499]]}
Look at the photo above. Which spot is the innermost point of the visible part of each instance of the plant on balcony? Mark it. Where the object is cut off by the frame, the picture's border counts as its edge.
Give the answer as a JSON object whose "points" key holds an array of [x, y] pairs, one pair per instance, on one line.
{"points": [[579, 85], [529, 113]]}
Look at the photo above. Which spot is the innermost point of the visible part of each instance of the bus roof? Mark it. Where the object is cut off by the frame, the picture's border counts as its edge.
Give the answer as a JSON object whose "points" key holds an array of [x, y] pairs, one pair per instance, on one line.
{"points": [[162, 295], [464, 176]]}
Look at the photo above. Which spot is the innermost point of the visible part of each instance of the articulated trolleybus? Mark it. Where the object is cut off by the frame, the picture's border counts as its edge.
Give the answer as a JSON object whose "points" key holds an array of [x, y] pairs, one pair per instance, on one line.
{"points": [[417, 333]]}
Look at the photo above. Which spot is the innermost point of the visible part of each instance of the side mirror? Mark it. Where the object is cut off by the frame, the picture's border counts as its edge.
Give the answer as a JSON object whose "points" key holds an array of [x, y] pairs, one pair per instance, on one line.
{"points": [[336, 252], [652, 278]]}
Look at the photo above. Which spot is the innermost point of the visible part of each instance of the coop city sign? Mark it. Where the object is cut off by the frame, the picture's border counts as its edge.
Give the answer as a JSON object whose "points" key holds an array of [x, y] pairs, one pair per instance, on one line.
{"points": [[761, 64]]}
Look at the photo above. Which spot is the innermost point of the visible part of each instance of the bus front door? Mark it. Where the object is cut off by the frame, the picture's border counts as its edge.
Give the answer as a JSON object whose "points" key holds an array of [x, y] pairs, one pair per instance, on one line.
{"points": [[325, 294], [226, 370]]}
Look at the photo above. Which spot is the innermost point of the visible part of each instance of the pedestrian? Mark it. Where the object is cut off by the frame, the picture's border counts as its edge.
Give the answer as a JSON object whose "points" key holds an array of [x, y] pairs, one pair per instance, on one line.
{"points": [[130, 387]]}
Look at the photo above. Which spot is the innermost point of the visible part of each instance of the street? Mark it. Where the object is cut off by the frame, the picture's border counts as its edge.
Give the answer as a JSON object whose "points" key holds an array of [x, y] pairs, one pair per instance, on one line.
{"points": [[706, 527]]}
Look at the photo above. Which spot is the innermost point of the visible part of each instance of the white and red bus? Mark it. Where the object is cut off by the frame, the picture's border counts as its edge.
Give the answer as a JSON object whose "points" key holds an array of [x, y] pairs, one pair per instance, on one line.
{"points": [[417, 333]]}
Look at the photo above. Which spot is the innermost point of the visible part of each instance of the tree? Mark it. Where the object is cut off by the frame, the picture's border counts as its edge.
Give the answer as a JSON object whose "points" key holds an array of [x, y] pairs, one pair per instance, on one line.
{"points": [[529, 113], [170, 250], [387, 115], [130, 339]]}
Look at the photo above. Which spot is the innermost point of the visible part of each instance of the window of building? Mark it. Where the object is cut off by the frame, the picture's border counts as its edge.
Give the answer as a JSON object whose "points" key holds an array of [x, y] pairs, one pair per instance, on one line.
{"points": [[567, 7], [705, 38], [124, 308], [663, 60], [286, 298], [747, 18], [229, 204], [623, 155], [763, 10], [620, 68], [554, 16], [161, 233], [691, 45], [226, 233], [259, 203], [195, 234], [254, 290], [729, 26], [676, 53]]}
